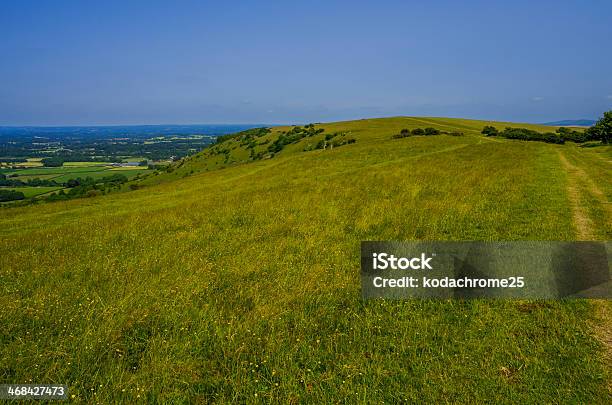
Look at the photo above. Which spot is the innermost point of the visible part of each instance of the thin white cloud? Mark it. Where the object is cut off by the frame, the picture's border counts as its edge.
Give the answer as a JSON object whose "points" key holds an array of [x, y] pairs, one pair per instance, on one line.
{"points": [[537, 98]]}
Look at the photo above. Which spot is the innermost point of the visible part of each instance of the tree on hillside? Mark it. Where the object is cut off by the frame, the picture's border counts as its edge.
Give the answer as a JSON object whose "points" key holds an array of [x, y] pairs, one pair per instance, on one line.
{"points": [[490, 131], [72, 183], [602, 130], [571, 135], [11, 195]]}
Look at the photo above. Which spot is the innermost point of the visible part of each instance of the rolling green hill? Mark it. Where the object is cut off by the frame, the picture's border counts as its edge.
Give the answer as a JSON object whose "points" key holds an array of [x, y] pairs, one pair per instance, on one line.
{"points": [[366, 132], [235, 278]]}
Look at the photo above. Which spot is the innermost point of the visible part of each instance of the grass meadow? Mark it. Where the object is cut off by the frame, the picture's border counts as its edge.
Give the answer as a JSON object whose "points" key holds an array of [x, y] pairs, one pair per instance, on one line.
{"points": [[30, 192], [72, 170], [229, 282]]}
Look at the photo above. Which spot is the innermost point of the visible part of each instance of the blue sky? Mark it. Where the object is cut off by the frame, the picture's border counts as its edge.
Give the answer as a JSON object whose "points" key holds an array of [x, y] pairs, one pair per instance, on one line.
{"points": [[130, 62]]}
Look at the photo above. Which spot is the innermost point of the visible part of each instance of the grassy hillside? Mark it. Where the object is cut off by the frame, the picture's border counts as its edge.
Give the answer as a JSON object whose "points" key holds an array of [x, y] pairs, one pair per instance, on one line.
{"points": [[229, 280], [366, 131]]}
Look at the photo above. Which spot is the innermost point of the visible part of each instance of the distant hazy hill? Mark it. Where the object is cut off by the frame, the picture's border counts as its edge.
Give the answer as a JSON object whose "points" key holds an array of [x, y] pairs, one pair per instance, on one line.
{"points": [[570, 123]]}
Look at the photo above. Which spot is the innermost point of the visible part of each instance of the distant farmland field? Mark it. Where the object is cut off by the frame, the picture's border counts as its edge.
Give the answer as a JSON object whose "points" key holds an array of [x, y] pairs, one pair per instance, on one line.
{"points": [[97, 174], [77, 169], [89, 164], [29, 192]]}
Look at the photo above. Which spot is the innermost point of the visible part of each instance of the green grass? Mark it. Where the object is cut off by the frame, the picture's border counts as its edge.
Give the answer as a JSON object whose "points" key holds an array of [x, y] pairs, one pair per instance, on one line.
{"points": [[37, 176], [56, 170], [29, 192], [242, 284], [76, 170], [99, 174]]}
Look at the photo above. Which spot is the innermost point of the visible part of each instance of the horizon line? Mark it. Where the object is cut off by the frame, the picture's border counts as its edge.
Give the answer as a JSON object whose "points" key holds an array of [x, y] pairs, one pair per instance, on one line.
{"points": [[274, 124]]}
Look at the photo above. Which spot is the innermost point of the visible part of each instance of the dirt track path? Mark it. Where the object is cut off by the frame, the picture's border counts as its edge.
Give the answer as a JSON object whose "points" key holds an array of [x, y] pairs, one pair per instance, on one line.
{"points": [[575, 175], [579, 183]]}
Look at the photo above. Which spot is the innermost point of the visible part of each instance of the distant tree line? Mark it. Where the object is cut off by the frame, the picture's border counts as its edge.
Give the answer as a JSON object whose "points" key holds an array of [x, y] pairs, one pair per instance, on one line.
{"points": [[523, 134], [405, 133], [248, 134], [61, 158], [10, 195], [88, 187], [79, 187], [58, 161], [52, 162], [572, 135], [600, 131], [11, 182]]}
